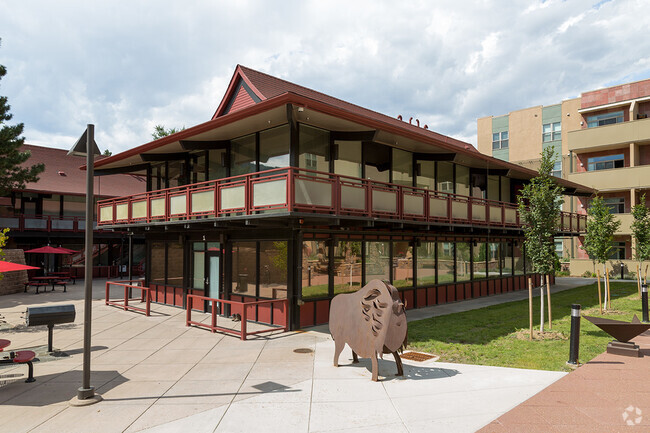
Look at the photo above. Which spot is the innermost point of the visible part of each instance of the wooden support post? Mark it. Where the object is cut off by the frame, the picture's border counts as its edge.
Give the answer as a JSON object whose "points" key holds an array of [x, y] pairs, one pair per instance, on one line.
{"points": [[600, 297], [530, 306], [548, 298], [609, 292]]}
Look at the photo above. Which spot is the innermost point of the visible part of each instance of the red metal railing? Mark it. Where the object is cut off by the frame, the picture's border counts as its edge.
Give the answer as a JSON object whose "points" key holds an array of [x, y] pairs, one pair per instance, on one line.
{"points": [[47, 223], [145, 295], [300, 190], [243, 331]]}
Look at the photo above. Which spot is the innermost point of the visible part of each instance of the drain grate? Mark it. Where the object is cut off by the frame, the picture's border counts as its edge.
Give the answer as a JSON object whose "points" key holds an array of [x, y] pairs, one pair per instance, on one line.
{"points": [[417, 356], [303, 350]]}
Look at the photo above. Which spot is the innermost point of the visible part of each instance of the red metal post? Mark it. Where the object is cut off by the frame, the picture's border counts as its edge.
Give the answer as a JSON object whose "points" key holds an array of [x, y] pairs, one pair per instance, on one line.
{"points": [[148, 307], [188, 311], [213, 324], [126, 298], [243, 321], [107, 290]]}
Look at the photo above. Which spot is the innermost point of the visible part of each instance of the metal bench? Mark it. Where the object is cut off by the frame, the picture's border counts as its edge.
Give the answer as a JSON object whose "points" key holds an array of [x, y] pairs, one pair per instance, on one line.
{"points": [[22, 357], [61, 282], [37, 284]]}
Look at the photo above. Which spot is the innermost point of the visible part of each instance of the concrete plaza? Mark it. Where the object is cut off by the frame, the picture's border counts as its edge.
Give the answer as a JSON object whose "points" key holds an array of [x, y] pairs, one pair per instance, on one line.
{"points": [[157, 375]]}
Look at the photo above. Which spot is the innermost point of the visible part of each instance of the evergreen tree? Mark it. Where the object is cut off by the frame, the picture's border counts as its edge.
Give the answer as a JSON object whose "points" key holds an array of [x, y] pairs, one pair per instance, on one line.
{"points": [[159, 131], [12, 174]]}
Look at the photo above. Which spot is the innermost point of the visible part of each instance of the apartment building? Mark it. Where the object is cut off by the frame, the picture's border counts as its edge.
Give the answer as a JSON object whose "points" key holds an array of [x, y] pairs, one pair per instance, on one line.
{"points": [[603, 141]]}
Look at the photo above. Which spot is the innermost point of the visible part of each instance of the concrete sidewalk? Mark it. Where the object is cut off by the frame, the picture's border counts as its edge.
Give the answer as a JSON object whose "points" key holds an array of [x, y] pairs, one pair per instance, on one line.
{"points": [[157, 375]]}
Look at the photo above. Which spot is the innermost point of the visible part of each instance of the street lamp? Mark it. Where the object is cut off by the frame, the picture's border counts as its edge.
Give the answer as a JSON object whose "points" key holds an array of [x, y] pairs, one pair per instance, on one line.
{"points": [[86, 394]]}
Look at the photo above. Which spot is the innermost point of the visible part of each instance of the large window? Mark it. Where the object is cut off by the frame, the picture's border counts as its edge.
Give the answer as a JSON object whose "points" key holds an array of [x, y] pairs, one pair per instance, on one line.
{"points": [[347, 266], [462, 180], [274, 148], [348, 158], [377, 261], [606, 162], [479, 259], [402, 264], [377, 158], [506, 258], [217, 167], [198, 265], [273, 269], [157, 272], [604, 119], [402, 167], [557, 169], [551, 132], [446, 177], [315, 269], [175, 260], [446, 265], [615, 204], [494, 259], [618, 251], [426, 174], [493, 187], [314, 148], [243, 159], [426, 254], [244, 268], [463, 263], [500, 140], [518, 258]]}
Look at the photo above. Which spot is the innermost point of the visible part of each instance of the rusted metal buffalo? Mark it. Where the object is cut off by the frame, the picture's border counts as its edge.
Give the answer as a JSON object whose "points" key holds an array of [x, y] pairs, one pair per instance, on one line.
{"points": [[371, 321]]}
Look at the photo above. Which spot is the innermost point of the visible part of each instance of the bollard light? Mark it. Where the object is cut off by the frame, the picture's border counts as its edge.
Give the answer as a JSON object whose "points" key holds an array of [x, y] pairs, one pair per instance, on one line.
{"points": [[644, 302], [574, 346]]}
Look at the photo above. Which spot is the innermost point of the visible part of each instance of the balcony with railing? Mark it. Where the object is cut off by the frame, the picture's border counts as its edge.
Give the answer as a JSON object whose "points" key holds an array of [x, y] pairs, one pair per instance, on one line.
{"points": [[45, 223], [301, 192]]}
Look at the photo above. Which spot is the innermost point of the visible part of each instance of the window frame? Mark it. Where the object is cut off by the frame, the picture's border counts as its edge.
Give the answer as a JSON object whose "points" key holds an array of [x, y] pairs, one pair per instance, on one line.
{"points": [[500, 140]]}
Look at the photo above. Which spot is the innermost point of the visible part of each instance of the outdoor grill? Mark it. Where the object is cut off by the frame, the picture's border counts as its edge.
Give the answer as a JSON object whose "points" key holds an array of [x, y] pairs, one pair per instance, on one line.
{"points": [[50, 316]]}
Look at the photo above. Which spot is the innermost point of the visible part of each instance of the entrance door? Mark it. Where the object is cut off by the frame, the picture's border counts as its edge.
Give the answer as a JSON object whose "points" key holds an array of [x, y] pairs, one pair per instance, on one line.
{"points": [[213, 276]]}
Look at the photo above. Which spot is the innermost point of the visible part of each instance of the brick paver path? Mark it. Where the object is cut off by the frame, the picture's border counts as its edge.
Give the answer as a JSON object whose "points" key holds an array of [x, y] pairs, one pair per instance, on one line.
{"points": [[608, 394]]}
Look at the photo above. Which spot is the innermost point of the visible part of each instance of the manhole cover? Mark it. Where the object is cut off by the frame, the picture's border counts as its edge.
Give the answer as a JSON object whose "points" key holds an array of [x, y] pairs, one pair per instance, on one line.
{"points": [[303, 350], [417, 356]]}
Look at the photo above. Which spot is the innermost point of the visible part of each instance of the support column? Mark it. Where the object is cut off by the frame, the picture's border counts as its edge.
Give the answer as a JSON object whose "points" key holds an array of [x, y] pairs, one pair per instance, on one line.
{"points": [[634, 154]]}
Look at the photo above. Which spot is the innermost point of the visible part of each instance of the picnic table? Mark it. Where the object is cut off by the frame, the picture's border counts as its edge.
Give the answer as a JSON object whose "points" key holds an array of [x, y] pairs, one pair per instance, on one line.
{"points": [[46, 281], [19, 357], [65, 275]]}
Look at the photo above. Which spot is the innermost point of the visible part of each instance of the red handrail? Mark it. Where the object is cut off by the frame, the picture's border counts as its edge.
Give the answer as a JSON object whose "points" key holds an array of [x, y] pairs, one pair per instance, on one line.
{"points": [[243, 331], [145, 292], [245, 204]]}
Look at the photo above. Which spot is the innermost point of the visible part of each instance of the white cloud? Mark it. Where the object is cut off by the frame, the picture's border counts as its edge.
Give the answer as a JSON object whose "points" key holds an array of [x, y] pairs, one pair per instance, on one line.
{"points": [[127, 66]]}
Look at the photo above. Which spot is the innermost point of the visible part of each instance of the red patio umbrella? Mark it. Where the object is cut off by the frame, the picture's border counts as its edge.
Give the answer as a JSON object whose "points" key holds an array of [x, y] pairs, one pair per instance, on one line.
{"points": [[49, 250], [9, 266], [68, 250]]}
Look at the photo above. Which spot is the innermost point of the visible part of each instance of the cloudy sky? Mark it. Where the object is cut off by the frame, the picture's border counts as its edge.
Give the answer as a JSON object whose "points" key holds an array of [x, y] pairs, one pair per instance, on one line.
{"points": [[129, 65]]}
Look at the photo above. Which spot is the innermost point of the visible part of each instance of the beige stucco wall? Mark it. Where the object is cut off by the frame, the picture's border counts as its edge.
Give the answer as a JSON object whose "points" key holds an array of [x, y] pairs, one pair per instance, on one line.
{"points": [[484, 135], [579, 266], [525, 134]]}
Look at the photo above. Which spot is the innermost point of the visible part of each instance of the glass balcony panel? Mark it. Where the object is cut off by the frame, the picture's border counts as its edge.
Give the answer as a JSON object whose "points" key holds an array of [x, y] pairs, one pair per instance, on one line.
{"points": [[139, 209], [233, 197], [438, 207], [459, 210], [414, 205], [511, 216], [313, 192], [34, 223], [62, 224], [158, 207], [178, 204], [270, 193], [353, 197], [202, 201], [478, 212], [384, 201], [122, 211], [106, 213], [495, 214]]}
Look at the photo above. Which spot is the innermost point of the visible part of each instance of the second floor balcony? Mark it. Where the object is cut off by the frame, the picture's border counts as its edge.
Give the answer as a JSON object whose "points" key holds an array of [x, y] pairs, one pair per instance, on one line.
{"points": [[301, 192], [609, 136], [45, 223]]}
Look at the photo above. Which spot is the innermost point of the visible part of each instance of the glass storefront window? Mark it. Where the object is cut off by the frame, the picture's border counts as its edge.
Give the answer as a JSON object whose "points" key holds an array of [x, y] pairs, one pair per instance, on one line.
{"points": [[243, 159], [314, 149], [273, 269], [377, 261], [463, 261], [348, 161], [506, 258], [198, 274], [315, 267], [244, 268], [216, 161], [462, 180], [446, 177], [175, 261], [427, 175], [402, 264], [346, 265], [479, 256], [426, 254], [519, 258], [274, 148], [402, 167], [157, 273], [446, 268], [493, 259], [377, 161]]}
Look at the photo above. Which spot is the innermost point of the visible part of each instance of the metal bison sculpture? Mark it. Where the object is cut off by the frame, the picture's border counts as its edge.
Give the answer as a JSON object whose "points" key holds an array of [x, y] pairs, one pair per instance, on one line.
{"points": [[371, 321]]}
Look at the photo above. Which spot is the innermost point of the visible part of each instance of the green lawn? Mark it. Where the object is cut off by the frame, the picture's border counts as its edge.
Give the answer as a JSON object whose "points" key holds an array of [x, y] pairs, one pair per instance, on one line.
{"points": [[498, 335]]}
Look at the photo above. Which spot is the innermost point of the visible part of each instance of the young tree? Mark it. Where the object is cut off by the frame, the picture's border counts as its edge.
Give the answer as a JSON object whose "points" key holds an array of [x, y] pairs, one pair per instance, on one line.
{"points": [[641, 235], [601, 226], [12, 173], [159, 131], [540, 202]]}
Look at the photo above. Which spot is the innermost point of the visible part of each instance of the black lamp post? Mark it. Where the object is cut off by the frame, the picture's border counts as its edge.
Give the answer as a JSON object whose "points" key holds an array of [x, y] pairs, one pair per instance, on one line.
{"points": [[87, 147]]}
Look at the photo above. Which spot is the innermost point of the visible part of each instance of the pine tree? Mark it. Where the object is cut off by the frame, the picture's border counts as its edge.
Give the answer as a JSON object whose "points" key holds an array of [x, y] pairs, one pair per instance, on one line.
{"points": [[12, 174]]}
